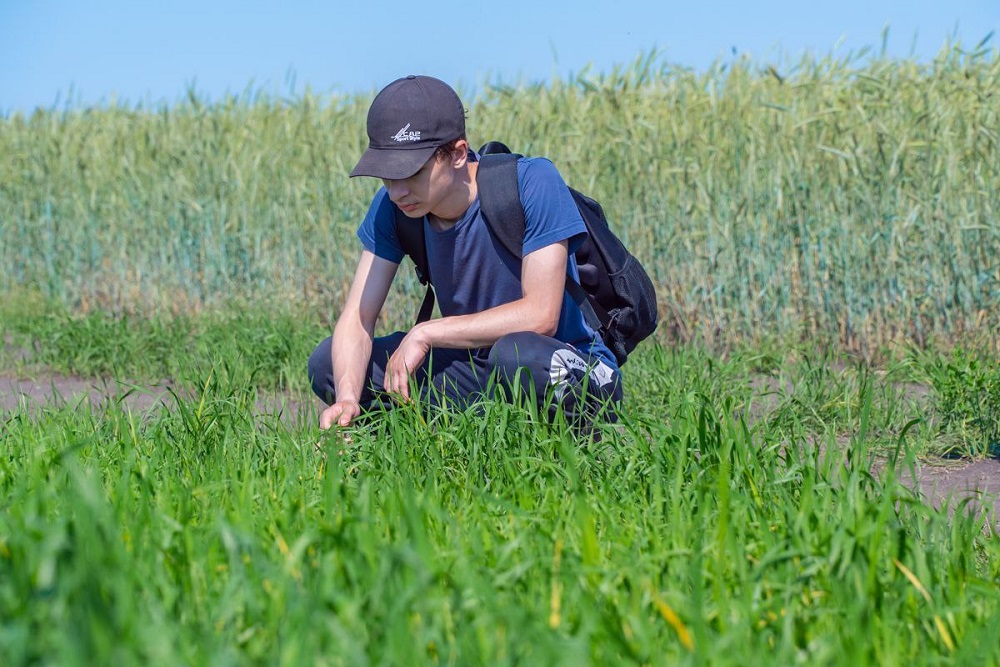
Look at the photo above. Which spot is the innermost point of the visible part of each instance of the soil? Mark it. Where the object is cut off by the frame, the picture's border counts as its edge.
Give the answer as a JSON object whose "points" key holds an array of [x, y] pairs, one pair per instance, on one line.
{"points": [[942, 482], [38, 391]]}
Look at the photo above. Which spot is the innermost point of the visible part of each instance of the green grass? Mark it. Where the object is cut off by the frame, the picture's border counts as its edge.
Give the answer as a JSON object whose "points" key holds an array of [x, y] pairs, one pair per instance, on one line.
{"points": [[706, 528], [205, 532], [967, 385], [274, 342]]}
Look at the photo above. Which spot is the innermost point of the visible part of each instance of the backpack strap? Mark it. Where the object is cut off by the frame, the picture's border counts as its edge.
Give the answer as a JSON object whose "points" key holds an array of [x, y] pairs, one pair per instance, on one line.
{"points": [[500, 202], [410, 233]]}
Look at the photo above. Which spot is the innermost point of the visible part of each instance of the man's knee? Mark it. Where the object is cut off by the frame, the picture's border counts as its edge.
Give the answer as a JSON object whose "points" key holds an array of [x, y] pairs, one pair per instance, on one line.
{"points": [[546, 363], [515, 350]]}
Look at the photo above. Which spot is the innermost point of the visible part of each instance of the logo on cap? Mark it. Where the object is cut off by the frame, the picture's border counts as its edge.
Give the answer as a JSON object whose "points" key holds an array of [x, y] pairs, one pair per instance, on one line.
{"points": [[405, 135]]}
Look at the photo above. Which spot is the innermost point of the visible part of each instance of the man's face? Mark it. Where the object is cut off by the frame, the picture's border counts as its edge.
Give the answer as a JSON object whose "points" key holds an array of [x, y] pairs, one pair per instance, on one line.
{"points": [[423, 192]]}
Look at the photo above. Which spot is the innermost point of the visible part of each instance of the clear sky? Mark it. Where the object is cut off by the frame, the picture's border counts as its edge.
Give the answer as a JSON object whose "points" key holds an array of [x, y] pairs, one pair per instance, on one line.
{"points": [[139, 51]]}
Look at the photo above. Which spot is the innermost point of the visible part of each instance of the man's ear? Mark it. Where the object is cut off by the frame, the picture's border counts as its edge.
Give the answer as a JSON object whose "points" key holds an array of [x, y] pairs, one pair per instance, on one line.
{"points": [[459, 153]]}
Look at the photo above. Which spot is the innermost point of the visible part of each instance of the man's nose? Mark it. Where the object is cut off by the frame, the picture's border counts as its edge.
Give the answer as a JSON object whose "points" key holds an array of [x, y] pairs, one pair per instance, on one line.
{"points": [[397, 189]]}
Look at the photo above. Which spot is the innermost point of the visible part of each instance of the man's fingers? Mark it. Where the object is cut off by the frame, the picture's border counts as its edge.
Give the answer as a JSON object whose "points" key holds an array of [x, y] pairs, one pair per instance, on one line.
{"points": [[397, 378], [340, 414], [348, 415], [402, 382]]}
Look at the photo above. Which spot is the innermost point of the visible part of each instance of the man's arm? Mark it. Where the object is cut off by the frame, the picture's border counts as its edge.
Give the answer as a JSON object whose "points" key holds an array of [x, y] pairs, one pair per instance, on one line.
{"points": [[543, 283], [353, 334]]}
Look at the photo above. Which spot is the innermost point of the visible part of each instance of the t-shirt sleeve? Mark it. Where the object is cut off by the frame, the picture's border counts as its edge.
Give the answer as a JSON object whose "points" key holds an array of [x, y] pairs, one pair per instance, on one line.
{"points": [[550, 213], [378, 230]]}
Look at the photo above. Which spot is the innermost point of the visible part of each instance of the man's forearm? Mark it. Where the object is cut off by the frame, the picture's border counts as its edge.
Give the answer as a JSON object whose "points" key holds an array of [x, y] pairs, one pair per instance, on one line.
{"points": [[487, 327], [543, 276], [352, 349]]}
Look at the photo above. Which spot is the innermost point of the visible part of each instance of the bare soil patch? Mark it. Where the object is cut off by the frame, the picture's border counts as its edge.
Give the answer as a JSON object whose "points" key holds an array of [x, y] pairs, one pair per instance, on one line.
{"points": [[38, 391], [949, 482], [944, 483]]}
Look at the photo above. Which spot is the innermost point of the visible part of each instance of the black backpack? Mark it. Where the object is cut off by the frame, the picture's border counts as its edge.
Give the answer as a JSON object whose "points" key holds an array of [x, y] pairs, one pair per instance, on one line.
{"points": [[615, 293]]}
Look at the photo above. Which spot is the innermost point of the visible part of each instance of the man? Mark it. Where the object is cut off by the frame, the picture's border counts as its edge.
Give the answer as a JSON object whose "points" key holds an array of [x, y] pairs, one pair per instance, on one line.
{"points": [[507, 323]]}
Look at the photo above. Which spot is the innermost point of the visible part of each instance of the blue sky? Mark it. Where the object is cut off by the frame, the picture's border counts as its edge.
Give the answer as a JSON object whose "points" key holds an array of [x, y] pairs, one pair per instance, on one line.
{"points": [[152, 52]]}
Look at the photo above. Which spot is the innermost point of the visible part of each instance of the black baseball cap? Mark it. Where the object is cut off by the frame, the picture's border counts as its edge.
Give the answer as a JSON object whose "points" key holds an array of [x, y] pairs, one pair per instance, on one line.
{"points": [[407, 121]]}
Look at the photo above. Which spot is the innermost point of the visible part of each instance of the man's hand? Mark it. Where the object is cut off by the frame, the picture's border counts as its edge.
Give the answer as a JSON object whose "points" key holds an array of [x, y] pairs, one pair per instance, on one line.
{"points": [[405, 361], [340, 413]]}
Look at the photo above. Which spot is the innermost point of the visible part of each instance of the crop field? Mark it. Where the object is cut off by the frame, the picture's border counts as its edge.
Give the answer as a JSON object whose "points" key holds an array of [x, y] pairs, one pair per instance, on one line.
{"points": [[805, 467]]}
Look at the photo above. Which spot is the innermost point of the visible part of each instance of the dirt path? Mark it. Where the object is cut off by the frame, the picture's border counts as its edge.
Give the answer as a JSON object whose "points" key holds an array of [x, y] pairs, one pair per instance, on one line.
{"points": [[949, 482], [40, 391], [942, 482]]}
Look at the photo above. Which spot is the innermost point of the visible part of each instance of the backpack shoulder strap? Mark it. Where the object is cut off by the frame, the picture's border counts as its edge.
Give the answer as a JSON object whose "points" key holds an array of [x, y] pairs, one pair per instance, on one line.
{"points": [[500, 200], [411, 236]]}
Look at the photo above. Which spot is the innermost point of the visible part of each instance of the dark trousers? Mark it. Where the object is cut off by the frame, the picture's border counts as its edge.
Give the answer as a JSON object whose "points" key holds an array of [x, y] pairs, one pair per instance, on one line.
{"points": [[524, 363]]}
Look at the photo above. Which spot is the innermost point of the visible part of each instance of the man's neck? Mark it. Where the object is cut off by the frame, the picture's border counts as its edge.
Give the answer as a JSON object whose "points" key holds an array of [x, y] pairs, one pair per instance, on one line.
{"points": [[454, 206]]}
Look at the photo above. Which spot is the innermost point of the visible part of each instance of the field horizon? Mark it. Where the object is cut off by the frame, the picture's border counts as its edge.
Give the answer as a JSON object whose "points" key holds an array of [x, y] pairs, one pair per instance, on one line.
{"points": [[846, 199]]}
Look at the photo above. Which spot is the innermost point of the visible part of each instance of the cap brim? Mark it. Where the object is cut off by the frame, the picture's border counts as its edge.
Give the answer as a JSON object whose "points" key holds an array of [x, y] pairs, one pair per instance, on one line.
{"points": [[395, 164]]}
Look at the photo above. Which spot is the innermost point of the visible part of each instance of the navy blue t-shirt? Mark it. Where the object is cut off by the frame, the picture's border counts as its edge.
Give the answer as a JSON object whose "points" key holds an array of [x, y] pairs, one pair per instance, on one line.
{"points": [[469, 268]]}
